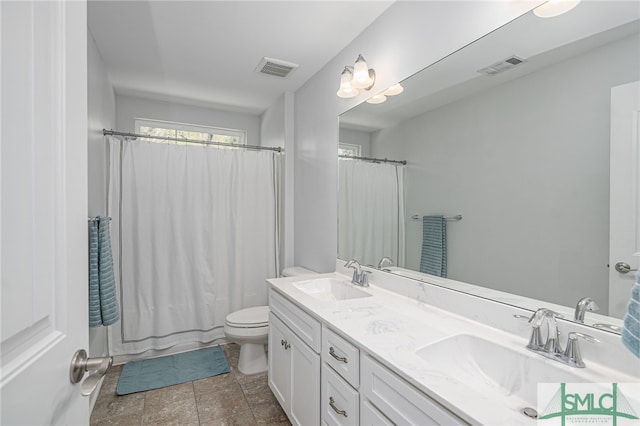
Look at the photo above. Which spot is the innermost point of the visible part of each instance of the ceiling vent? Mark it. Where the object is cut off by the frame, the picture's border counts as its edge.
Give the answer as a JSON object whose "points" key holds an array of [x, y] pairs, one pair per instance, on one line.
{"points": [[502, 66], [276, 67]]}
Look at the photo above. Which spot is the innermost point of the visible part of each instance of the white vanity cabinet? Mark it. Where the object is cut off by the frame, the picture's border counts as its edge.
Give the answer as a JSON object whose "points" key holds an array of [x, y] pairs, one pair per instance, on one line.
{"points": [[371, 416], [294, 364], [320, 377], [397, 400]]}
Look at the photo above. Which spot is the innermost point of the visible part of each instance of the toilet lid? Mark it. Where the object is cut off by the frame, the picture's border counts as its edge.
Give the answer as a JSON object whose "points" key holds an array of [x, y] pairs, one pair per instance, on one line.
{"points": [[258, 315]]}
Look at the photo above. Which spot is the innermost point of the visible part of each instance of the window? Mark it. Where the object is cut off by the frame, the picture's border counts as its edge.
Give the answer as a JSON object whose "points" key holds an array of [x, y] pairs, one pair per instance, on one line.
{"points": [[352, 150], [189, 131]]}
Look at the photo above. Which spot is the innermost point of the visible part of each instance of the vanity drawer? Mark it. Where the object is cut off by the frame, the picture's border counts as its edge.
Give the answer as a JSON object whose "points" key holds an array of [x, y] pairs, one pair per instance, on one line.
{"points": [[342, 356], [399, 401], [339, 402], [301, 323]]}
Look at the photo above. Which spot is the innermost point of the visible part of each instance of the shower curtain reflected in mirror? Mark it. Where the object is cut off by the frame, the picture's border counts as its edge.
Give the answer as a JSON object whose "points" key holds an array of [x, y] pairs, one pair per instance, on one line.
{"points": [[371, 211], [195, 237]]}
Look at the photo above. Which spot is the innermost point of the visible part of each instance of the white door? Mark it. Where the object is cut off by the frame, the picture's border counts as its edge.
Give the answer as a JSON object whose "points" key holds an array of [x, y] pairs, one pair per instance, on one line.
{"points": [[625, 200], [43, 215]]}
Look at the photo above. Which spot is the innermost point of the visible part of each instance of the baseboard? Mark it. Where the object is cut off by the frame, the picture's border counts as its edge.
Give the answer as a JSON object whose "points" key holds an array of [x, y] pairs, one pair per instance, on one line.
{"points": [[94, 396], [123, 359]]}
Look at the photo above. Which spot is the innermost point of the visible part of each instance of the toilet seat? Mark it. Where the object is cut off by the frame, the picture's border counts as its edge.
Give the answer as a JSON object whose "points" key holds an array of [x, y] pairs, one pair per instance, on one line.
{"points": [[256, 317]]}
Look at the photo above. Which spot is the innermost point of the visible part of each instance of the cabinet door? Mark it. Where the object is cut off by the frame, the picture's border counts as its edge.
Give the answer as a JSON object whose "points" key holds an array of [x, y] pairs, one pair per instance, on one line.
{"points": [[305, 383], [399, 401], [370, 416], [279, 363]]}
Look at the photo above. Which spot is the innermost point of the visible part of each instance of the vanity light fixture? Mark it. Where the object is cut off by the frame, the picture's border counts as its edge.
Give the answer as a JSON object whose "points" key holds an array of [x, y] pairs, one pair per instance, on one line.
{"points": [[377, 99], [346, 88], [555, 8], [359, 76], [396, 89]]}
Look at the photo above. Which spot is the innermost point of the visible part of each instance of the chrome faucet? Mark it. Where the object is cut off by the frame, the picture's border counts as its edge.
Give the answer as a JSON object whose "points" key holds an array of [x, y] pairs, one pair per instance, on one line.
{"points": [[551, 347], [360, 277], [385, 261], [585, 304]]}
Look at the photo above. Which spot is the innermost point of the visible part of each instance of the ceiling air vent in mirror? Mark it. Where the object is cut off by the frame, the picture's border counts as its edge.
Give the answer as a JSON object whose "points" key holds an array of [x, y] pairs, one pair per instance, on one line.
{"points": [[275, 67], [502, 66]]}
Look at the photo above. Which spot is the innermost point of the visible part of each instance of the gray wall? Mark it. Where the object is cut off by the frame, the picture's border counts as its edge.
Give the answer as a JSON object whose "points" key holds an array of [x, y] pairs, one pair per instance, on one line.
{"points": [[276, 130], [356, 137], [101, 114], [272, 131], [405, 39], [129, 108], [527, 163]]}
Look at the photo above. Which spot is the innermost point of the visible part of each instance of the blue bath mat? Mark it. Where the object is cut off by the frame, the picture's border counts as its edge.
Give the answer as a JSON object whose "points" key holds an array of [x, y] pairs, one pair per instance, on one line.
{"points": [[155, 373]]}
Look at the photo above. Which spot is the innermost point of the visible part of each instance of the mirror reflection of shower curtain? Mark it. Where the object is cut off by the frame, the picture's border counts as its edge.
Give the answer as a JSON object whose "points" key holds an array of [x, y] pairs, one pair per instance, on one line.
{"points": [[371, 212], [195, 237]]}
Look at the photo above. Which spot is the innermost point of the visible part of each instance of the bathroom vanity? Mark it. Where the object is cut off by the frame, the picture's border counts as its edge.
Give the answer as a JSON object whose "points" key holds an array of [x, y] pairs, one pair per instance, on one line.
{"points": [[398, 352]]}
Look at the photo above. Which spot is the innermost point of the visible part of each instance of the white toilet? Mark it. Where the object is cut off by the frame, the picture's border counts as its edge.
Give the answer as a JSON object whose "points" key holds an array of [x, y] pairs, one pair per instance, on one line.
{"points": [[249, 328]]}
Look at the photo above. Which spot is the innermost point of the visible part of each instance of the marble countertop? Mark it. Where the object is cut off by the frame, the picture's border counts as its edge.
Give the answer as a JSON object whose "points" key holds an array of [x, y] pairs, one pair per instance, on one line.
{"points": [[392, 328]]}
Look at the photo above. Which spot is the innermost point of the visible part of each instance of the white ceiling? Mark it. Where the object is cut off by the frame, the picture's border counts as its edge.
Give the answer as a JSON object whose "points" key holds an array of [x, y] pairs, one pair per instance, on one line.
{"points": [[205, 52]]}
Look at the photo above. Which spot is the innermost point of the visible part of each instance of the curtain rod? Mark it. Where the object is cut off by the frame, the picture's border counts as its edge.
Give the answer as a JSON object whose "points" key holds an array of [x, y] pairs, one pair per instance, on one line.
{"points": [[375, 160], [166, 138]]}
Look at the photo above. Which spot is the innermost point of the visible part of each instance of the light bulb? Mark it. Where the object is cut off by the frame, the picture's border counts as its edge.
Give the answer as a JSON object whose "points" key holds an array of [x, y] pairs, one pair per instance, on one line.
{"points": [[346, 88], [396, 89], [377, 99], [362, 78], [554, 8]]}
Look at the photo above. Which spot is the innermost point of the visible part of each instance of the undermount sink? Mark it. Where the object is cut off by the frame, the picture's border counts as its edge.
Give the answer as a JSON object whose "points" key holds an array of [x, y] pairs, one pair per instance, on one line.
{"points": [[330, 289], [493, 369]]}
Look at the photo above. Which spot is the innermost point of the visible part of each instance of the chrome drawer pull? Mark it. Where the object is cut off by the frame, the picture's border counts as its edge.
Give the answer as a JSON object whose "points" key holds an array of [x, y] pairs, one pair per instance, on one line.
{"points": [[332, 352], [333, 405]]}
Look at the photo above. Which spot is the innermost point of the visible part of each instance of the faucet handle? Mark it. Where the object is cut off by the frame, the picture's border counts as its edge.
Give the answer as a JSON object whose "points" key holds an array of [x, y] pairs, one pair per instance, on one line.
{"points": [[364, 278], [535, 340], [575, 334], [572, 352]]}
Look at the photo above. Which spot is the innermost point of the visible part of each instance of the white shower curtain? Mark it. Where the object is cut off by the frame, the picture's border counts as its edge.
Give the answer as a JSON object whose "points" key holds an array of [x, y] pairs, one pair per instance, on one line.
{"points": [[371, 212], [194, 236]]}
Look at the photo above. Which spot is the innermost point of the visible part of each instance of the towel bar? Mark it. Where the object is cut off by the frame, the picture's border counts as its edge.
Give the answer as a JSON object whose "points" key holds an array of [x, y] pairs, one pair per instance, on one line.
{"points": [[95, 219], [453, 218]]}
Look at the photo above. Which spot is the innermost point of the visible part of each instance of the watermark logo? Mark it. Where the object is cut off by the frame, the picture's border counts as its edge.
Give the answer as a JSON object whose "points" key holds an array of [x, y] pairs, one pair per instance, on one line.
{"points": [[587, 403]]}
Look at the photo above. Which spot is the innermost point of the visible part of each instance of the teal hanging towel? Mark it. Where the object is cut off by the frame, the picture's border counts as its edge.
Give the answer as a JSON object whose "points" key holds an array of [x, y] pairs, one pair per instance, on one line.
{"points": [[103, 302], [434, 246], [631, 328]]}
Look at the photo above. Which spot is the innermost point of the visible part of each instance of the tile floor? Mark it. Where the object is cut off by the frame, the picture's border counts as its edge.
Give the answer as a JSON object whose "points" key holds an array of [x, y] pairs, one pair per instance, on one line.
{"points": [[227, 399]]}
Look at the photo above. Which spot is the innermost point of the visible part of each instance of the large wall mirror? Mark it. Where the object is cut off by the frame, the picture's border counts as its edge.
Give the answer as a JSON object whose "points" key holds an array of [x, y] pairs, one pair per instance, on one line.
{"points": [[510, 166]]}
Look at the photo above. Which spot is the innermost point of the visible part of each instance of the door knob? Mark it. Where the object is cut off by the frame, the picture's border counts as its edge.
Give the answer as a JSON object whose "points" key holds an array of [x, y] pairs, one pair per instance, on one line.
{"points": [[97, 367], [624, 268]]}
